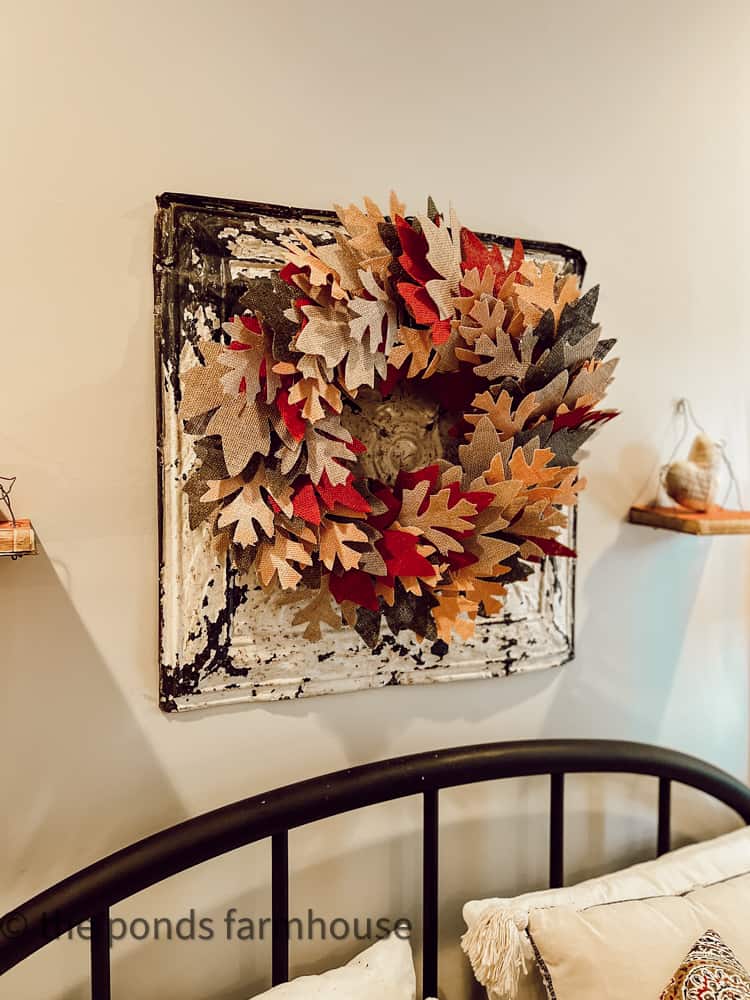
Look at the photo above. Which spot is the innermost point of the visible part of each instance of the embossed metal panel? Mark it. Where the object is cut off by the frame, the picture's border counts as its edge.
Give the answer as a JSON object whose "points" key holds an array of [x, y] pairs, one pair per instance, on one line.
{"points": [[222, 640]]}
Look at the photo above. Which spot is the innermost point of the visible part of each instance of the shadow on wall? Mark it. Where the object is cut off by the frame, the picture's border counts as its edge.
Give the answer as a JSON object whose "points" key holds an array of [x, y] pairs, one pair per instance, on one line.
{"points": [[67, 791], [643, 590]]}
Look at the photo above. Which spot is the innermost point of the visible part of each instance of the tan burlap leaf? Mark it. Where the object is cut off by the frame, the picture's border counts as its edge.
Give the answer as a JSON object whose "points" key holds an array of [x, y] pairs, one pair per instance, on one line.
{"points": [[243, 366], [316, 610], [202, 390], [326, 443], [366, 242], [362, 365], [336, 538], [490, 552], [242, 425], [246, 510], [415, 344], [539, 520], [375, 320], [326, 333], [474, 286], [549, 397], [313, 391], [499, 412], [275, 558], [436, 516], [220, 489], [488, 315], [343, 261], [509, 358], [476, 456], [306, 256], [251, 505], [445, 357], [591, 381], [544, 291], [444, 254]]}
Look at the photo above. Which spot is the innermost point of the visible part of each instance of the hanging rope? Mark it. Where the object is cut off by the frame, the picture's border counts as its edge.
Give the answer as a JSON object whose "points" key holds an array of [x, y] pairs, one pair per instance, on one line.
{"points": [[6, 485]]}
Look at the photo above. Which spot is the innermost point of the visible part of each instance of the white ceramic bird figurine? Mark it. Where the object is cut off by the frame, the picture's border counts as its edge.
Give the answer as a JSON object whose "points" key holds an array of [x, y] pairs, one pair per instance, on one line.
{"points": [[694, 482]]}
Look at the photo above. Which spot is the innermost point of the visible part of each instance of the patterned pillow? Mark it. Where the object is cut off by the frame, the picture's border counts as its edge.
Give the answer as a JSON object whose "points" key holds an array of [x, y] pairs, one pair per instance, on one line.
{"points": [[710, 971]]}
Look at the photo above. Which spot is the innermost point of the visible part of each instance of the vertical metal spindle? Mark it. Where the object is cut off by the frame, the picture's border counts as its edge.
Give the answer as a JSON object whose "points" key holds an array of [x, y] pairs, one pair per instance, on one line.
{"points": [[664, 827], [280, 907], [556, 830], [100, 969], [430, 895]]}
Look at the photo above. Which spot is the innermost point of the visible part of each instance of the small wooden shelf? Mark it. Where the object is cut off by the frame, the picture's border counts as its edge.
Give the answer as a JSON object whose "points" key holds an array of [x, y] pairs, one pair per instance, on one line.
{"points": [[17, 538], [715, 522]]}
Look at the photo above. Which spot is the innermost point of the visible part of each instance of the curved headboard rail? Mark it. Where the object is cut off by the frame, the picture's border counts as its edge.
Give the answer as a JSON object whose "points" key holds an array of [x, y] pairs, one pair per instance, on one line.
{"points": [[90, 892]]}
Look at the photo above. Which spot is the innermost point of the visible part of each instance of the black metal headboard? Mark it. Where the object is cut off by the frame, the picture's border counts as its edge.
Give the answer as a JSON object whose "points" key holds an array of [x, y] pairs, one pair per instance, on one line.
{"points": [[90, 893]]}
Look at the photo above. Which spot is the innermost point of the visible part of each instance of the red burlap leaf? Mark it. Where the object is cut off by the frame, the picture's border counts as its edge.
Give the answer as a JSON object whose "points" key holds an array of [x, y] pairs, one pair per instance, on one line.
{"points": [[418, 302], [479, 255], [582, 415], [441, 331], [414, 257], [288, 272], [345, 495], [305, 504], [551, 547], [408, 480], [291, 414], [355, 586], [399, 550], [393, 506]]}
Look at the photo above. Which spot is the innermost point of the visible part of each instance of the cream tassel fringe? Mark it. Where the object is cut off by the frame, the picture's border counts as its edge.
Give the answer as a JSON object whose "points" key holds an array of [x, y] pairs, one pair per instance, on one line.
{"points": [[495, 947]]}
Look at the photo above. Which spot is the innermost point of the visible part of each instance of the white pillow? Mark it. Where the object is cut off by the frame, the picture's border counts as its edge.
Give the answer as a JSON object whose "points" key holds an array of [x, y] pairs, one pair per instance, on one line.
{"points": [[385, 971], [497, 941]]}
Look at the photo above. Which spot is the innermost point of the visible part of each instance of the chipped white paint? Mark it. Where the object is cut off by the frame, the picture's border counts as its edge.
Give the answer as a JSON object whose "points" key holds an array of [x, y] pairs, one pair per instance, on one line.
{"points": [[254, 652]]}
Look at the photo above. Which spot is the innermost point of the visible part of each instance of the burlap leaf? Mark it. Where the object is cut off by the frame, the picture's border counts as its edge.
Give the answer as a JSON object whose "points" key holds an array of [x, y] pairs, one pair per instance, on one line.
{"points": [[336, 544], [509, 359], [591, 382], [488, 315], [315, 608], [432, 515], [242, 425], [313, 391], [202, 390], [544, 291], [327, 444], [500, 412], [254, 505], [415, 344], [444, 255], [274, 559], [326, 333]]}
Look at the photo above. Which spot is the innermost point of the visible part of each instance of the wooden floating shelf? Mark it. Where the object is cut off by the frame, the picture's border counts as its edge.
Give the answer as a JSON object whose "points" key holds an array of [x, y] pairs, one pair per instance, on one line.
{"points": [[17, 538], [715, 522]]}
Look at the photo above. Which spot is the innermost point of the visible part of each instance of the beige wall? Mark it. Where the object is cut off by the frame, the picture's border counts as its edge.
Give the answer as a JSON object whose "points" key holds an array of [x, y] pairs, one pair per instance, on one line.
{"points": [[616, 127]]}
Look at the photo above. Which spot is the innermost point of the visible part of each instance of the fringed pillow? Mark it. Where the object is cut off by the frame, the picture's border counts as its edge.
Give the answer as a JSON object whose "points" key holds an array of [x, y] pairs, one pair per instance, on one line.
{"points": [[497, 941]]}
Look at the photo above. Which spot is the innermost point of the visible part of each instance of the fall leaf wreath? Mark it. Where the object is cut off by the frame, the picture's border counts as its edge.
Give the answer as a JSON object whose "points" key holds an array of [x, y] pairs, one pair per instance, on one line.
{"points": [[503, 353]]}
